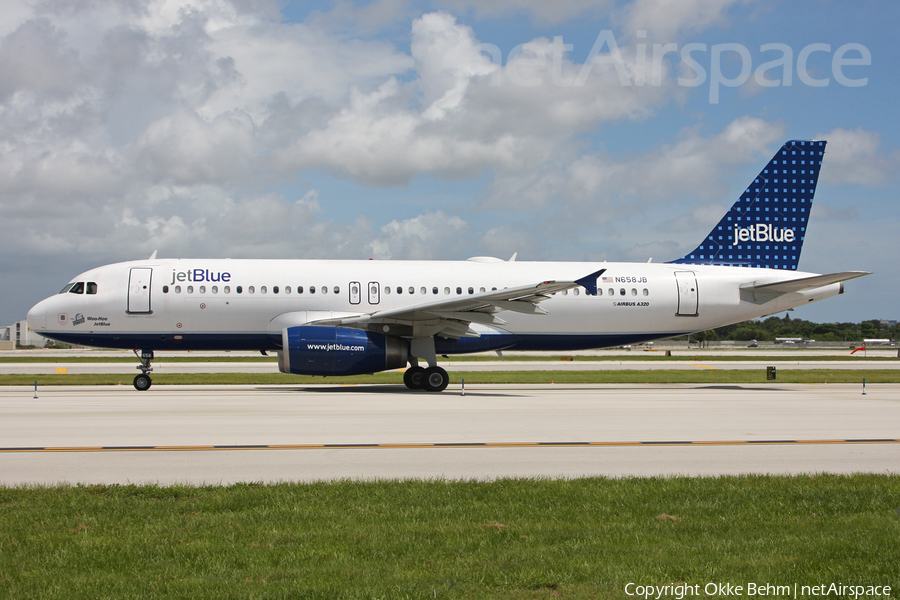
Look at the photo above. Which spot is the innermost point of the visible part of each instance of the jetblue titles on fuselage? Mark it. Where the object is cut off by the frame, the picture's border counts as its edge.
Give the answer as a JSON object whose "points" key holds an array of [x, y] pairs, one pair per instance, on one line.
{"points": [[200, 275]]}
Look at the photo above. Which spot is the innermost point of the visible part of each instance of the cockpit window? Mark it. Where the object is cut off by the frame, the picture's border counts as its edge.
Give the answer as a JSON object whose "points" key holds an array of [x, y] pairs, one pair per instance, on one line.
{"points": [[67, 288], [91, 287], [77, 288]]}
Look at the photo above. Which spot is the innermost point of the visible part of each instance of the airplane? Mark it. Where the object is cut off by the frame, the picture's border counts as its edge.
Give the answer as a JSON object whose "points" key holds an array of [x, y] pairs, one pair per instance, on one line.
{"points": [[348, 317]]}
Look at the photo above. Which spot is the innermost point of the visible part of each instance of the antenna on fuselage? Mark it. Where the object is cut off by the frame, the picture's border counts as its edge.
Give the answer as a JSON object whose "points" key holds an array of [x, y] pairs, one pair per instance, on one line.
{"points": [[153, 256]]}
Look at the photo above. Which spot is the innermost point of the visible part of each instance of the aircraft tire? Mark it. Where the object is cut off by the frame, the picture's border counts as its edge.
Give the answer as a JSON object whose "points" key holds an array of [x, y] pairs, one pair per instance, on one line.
{"points": [[436, 379], [142, 382], [414, 378]]}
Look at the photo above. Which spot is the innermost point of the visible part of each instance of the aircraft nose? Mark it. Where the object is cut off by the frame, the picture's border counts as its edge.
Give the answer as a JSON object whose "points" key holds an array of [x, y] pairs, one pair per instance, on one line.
{"points": [[37, 316]]}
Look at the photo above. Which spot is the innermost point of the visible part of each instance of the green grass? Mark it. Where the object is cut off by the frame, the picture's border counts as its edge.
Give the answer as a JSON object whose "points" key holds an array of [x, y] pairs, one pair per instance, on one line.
{"points": [[720, 376], [512, 538]]}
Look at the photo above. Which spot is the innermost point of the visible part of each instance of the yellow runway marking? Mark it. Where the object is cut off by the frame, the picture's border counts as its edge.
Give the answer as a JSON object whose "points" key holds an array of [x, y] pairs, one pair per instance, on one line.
{"points": [[705, 367], [414, 446]]}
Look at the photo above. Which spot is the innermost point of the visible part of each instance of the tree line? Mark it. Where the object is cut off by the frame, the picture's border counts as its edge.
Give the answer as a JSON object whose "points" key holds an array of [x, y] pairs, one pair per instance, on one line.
{"points": [[768, 329]]}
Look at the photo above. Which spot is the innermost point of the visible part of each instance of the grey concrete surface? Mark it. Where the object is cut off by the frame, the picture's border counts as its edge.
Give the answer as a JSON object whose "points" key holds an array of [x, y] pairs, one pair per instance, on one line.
{"points": [[86, 417], [161, 368]]}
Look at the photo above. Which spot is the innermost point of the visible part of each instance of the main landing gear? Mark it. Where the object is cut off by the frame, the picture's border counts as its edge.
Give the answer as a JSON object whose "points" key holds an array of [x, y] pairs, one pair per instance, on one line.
{"points": [[142, 382], [432, 379]]}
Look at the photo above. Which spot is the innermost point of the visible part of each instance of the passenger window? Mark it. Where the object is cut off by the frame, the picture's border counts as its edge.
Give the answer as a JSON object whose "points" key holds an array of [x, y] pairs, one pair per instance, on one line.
{"points": [[299, 289], [480, 290], [215, 289], [239, 289], [165, 289], [77, 288], [471, 290], [434, 290], [275, 289], [565, 292], [312, 289], [262, 290], [91, 287], [250, 289], [177, 289], [227, 289], [387, 290], [446, 291], [612, 292], [324, 289], [646, 292], [337, 289], [190, 289], [633, 292], [287, 289], [412, 290], [599, 291], [576, 291], [202, 289], [459, 290], [622, 292], [399, 290]]}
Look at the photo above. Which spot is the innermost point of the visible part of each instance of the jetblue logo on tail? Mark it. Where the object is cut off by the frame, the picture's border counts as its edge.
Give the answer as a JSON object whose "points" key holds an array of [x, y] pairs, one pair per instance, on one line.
{"points": [[762, 233], [766, 227]]}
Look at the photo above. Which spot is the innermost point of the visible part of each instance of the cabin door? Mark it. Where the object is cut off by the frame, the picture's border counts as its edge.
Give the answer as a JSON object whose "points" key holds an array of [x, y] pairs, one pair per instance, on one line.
{"points": [[139, 290]]}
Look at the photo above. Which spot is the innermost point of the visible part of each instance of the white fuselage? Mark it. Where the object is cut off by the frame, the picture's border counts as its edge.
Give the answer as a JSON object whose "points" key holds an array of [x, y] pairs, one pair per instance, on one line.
{"points": [[244, 304]]}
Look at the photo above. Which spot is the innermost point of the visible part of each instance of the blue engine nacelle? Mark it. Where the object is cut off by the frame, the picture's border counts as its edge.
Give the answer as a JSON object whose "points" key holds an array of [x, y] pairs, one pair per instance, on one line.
{"points": [[311, 350]]}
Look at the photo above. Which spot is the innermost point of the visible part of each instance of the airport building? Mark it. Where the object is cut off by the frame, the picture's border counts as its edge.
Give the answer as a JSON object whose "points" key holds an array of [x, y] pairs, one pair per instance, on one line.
{"points": [[22, 335]]}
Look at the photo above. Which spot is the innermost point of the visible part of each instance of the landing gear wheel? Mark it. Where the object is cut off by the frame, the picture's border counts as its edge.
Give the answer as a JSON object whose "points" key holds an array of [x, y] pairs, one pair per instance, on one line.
{"points": [[142, 382], [414, 378], [436, 379]]}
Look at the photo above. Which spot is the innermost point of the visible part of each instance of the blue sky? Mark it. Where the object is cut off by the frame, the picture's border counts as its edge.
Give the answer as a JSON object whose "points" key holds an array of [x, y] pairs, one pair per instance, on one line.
{"points": [[442, 130]]}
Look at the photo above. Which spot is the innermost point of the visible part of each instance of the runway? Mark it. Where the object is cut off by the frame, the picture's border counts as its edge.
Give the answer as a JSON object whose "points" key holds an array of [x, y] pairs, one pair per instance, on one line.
{"points": [[162, 368], [226, 434]]}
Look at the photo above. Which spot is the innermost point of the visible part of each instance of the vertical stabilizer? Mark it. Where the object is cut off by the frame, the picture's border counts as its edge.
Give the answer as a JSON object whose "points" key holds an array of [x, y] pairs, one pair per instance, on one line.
{"points": [[766, 227]]}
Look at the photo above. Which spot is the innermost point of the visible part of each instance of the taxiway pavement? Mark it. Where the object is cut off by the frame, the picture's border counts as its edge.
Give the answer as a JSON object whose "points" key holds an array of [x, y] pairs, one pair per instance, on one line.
{"points": [[75, 368], [226, 434]]}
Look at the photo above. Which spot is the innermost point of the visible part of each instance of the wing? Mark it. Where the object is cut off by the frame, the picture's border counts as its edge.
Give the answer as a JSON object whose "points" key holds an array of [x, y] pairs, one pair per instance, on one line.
{"points": [[451, 318], [760, 293]]}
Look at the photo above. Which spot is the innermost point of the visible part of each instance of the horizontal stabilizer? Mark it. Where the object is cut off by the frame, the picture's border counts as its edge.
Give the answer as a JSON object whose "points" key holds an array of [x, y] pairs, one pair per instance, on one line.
{"points": [[803, 283], [761, 292]]}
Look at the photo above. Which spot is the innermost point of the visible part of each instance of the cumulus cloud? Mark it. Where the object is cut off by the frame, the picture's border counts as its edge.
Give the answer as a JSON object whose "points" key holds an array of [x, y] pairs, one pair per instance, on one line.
{"points": [[665, 20], [855, 156], [541, 10], [191, 127], [426, 236], [602, 188]]}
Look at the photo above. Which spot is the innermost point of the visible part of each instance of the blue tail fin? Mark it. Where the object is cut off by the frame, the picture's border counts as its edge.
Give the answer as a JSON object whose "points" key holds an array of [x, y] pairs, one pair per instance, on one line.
{"points": [[765, 228]]}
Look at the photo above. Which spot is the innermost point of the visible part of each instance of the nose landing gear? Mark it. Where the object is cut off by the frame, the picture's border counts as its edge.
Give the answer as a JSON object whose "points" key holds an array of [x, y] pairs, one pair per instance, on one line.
{"points": [[142, 382]]}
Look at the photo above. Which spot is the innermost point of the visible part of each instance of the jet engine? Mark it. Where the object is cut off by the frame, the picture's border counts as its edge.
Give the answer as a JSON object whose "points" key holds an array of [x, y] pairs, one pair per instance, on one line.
{"points": [[314, 350]]}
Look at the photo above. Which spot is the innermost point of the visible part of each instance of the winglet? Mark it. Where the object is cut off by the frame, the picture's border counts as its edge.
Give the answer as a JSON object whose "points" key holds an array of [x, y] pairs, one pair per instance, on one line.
{"points": [[589, 282]]}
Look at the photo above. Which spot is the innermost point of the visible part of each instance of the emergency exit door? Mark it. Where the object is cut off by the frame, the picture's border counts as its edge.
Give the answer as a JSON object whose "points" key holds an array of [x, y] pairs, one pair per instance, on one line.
{"points": [[139, 290], [688, 299]]}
